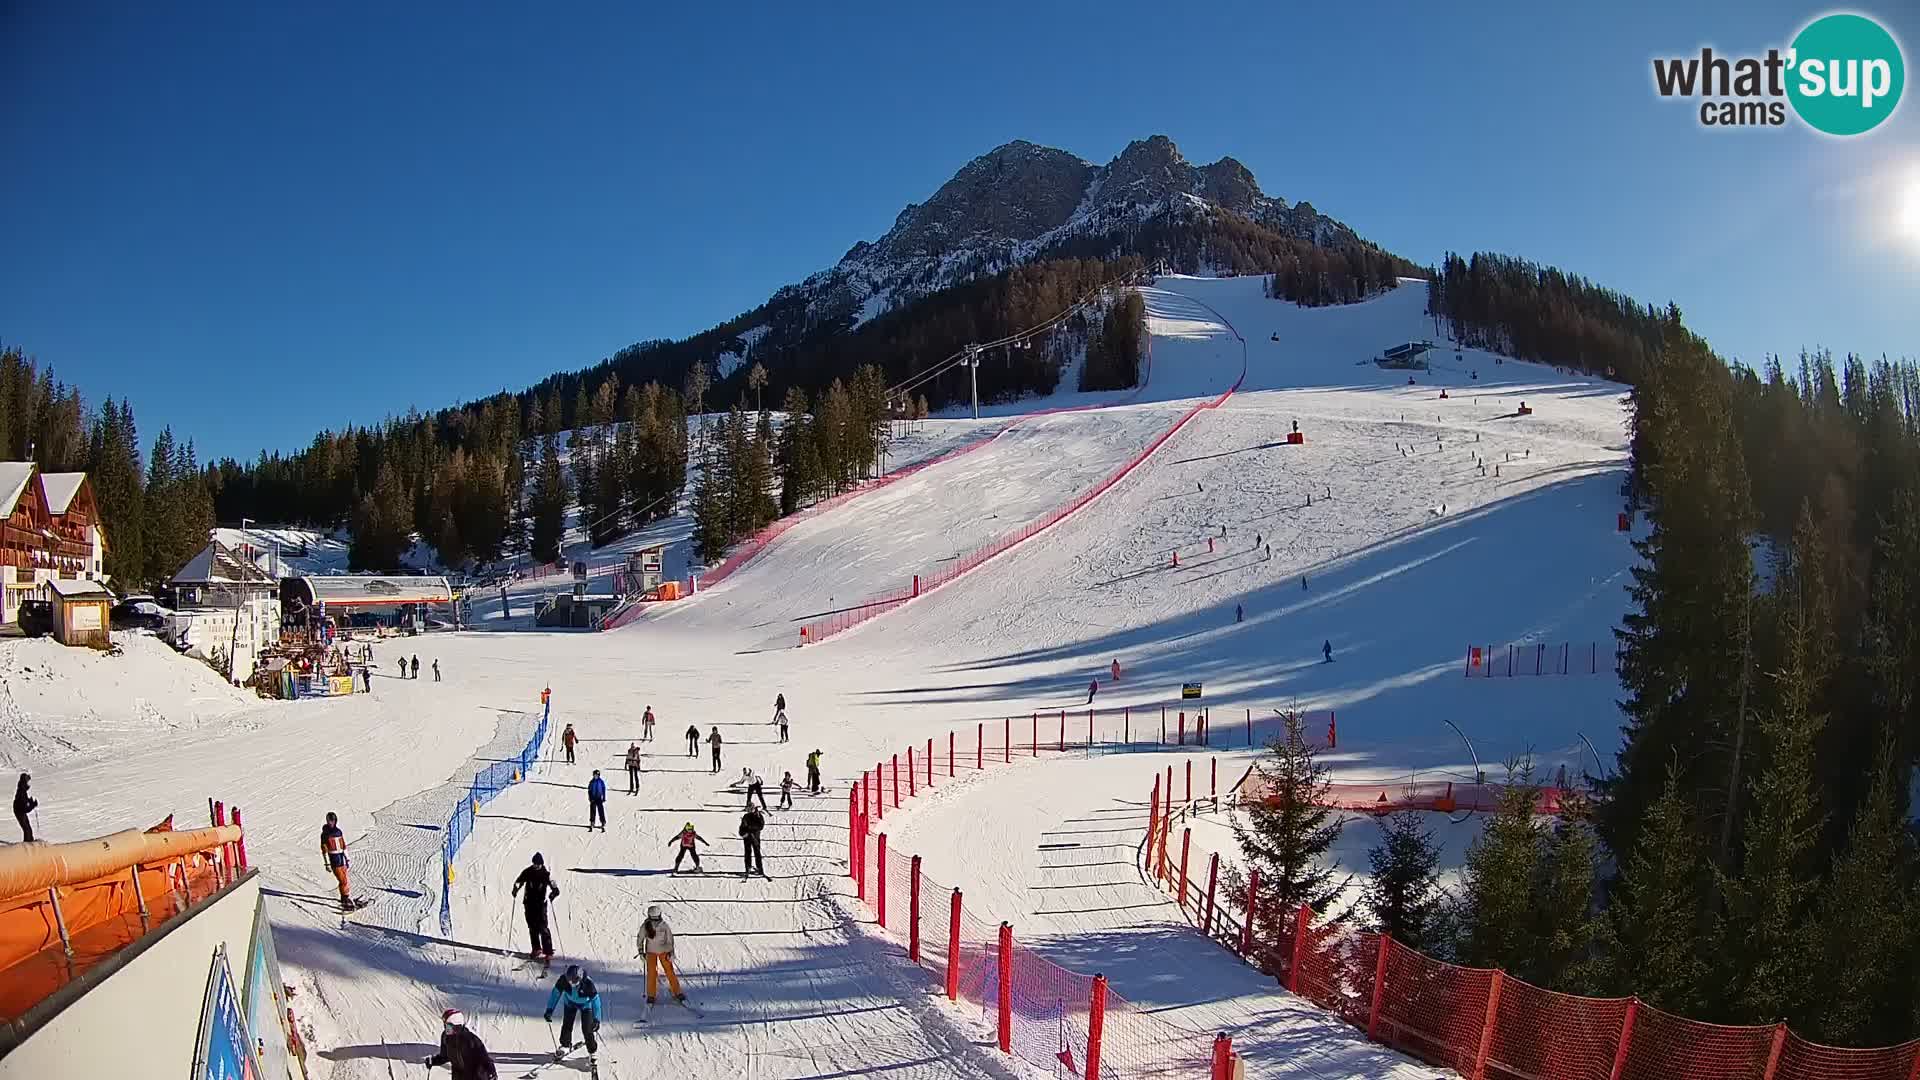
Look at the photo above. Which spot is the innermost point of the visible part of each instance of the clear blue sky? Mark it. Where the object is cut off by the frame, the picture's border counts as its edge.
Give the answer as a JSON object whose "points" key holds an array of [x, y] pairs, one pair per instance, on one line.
{"points": [[260, 220]]}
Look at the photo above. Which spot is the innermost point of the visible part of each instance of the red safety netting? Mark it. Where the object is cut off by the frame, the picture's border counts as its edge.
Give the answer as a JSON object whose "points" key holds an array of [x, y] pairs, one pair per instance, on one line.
{"points": [[1049, 1014], [839, 621]]}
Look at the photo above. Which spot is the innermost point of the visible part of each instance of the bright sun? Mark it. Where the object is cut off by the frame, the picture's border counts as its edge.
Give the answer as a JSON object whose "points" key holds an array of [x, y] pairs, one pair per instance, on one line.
{"points": [[1909, 212]]}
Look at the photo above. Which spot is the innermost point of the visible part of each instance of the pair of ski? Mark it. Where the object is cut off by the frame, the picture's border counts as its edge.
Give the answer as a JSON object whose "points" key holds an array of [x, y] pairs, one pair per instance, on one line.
{"points": [[560, 1057], [355, 904], [646, 1010]]}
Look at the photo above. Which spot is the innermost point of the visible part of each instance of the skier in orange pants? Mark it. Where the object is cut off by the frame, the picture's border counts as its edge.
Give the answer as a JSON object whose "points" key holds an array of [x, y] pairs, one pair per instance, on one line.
{"points": [[655, 942]]}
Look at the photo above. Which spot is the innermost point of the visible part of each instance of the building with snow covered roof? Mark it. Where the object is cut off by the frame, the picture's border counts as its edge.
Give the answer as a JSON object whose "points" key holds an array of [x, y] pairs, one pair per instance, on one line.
{"points": [[49, 529], [397, 600], [227, 606]]}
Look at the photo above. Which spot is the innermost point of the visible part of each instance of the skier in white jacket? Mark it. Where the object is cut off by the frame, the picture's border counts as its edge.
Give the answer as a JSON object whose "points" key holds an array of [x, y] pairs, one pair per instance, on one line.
{"points": [[655, 942]]}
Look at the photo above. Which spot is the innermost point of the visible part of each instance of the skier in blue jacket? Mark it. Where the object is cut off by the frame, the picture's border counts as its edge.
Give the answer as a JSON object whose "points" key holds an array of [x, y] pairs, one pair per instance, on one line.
{"points": [[577, 993], [596, 802]]}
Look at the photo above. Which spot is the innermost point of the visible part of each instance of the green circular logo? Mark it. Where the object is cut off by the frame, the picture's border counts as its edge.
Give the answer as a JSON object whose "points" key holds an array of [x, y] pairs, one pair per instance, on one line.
{"points": [[1846, 74]]}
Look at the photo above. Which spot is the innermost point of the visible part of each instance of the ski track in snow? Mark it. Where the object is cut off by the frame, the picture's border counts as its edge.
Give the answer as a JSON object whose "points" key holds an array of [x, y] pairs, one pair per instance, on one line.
{"points": [[793, 979]]}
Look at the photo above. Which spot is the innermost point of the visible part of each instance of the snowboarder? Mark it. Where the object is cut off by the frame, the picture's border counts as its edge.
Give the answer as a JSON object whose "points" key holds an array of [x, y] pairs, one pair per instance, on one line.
{"points": [[1239, 613], [751, 823], [576, 995], [756, 788], [781, 719], [655, 942], [813, 773], [333, 850], [633, 768], [714, 741], [596, 802], [1093, 688], [786, 791], [687, 839], [779, 703], [436, 669], [24, 804], [1326, 649], [461, 1050], [646, 725], [693, 740], [567, 739], [1257, 539], [416, 665], [540, 888]]}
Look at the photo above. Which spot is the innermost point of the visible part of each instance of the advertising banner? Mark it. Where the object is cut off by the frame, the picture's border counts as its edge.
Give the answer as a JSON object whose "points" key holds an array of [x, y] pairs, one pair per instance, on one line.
{"points": [[224, 1051], [266, 1006]]}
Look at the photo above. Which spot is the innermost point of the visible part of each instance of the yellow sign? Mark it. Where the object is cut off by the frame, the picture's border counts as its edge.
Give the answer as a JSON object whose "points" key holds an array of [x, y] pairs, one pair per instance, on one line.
{"points": [[339, 684]]}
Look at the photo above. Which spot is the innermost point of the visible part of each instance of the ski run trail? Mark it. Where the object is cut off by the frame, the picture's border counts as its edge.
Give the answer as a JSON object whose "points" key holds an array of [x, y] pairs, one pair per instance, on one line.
{"points": [[1410, 552]]}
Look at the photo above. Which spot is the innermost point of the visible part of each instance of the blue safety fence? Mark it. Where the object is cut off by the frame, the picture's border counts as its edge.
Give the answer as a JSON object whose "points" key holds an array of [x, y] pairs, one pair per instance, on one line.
{"points": [[487, 783]]}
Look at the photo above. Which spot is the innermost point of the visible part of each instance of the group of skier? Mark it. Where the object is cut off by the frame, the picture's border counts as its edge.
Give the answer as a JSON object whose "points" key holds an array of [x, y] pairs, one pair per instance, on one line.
{"points": [[574, 994]]}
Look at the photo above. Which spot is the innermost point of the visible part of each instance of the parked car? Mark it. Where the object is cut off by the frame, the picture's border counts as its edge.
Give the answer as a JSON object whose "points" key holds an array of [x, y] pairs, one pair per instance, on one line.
{"points": [[139, 612], [36, 617]]}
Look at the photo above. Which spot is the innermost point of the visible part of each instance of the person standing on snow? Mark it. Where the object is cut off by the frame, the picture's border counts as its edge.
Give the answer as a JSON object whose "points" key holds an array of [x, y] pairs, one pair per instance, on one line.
{"points": [[633, 768], [751, 823], [403, 667], [461, 1050], [1326, 648], [577, 996], [1116, 669], [646, 725], [813, 773], [714, 741], [25, 804], [786, 791], [416, 665], [540, 889], [779, 703], [655, 942], [436, 669], [1093, 687], [687, 839], [567, 739], [333, 849], [781, 719], [596, 802], [693, 740]]}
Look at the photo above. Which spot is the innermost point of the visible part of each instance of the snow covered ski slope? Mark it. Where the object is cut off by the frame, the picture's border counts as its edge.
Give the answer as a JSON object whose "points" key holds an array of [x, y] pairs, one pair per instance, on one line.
{"points": [[1402, 529]]}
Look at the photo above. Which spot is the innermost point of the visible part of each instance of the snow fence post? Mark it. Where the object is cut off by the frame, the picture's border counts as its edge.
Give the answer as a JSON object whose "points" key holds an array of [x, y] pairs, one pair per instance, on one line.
{"points": [[930, 755], [1183, 728], [1006, 738], [1126, 725], [896, 781], [1213, 879], [1213, 782], [880, 798], [1153, 816], [1033, 746], [1163, 725], [1486, 1027], [880, 865], [1089, 729], [910, 784], [1249, 728], [913, 910], [1380, 988], [1253, 905], [1626, 1040], [980, 745], [1189, 799], [1773, 1054], [1302, 917], [1006, 988], [1186, 846], [953, 948], [1096, 1025]]}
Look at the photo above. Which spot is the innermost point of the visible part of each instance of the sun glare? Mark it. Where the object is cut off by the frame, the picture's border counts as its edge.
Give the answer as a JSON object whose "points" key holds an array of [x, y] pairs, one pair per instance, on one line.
{"points": [[1910, 208]]}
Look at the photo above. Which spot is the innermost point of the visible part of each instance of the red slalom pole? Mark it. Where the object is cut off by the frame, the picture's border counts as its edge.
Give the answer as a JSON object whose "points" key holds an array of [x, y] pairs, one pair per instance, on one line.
{"points": [[880, 864], [910, 784], [950, 766], [880, 796], [1006, 738], [1033, 747], [1006, 988], [896, 781], [1063, 730], [980, 746], [1096, 1025]]}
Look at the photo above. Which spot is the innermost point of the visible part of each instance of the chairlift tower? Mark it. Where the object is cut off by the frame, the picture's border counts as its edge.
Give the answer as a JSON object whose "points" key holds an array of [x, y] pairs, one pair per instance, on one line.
{"points": [[973, 376]]}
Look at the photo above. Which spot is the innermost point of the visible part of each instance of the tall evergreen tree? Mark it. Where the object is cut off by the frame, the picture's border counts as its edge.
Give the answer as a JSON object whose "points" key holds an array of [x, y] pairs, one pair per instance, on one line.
{"points": [[547, 503], [1657, 917], [1286, 835], [164, 549], [1402, 896], [1498, 926], [1866, 924], [383, 524], [1764, 938]]}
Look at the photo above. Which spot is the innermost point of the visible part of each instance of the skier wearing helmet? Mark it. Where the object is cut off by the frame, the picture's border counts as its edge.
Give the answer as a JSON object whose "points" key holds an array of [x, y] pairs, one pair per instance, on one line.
{"points": [[577, 994], [540, 888], [461, 1050], [688, 837], [655, 942]]}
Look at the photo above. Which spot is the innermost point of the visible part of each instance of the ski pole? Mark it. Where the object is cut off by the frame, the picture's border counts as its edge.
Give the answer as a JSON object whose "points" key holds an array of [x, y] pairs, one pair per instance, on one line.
{"points": [[387, 1052]]}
